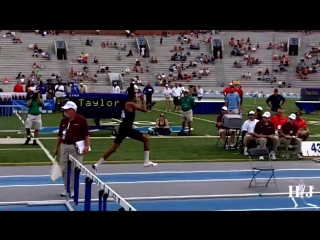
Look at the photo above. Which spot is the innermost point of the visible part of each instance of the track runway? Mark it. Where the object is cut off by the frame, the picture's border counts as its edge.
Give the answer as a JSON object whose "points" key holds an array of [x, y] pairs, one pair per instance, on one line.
{"points": [[189, 186]]}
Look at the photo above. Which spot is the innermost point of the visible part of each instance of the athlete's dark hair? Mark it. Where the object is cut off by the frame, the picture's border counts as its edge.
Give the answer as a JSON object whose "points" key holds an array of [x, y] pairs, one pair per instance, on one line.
{"points": [[131, 92]]}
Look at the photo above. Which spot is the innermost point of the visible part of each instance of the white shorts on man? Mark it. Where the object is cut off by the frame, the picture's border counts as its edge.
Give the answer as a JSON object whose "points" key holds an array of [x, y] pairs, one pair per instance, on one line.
{"points": [[33, 121]]}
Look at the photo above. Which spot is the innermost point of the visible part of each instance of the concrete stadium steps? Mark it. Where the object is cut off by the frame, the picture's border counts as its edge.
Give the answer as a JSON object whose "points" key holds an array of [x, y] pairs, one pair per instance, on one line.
{"points": [[163, 53], [108, 56], [15, 58], [264, 55], [313, 80]]}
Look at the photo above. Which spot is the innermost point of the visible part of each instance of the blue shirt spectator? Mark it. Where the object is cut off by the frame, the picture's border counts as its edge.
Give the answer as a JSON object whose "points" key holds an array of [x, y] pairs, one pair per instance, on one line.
{"points": [[42, 88], [233, 101], [75, 88]]}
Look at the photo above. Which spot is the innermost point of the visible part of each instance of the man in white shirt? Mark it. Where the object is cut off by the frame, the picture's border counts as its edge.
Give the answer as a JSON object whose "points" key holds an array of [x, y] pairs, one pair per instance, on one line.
{"points": [[167, 94], [176, 93], [248, 129], [59, 93], [142, 51], [182, 89], [115, 88], [200, 93]]}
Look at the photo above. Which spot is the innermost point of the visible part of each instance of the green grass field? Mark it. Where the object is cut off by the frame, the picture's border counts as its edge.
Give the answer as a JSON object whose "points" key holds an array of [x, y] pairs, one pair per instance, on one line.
{"points": [[199, 147]]}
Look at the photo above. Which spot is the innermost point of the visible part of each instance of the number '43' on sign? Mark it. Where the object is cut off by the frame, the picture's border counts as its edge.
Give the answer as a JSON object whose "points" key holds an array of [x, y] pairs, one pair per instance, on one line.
{"points": [[315, 147]]}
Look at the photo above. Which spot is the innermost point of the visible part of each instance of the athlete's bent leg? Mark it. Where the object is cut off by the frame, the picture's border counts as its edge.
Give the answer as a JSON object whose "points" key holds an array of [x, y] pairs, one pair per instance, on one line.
{"points": [[111, 150], [117, 141], [136, 135], [105, 156]]}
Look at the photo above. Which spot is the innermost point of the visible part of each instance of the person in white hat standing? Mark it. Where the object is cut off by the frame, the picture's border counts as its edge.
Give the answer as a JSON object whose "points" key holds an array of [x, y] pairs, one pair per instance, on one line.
{"points": [[168, 94], [73, 128]]}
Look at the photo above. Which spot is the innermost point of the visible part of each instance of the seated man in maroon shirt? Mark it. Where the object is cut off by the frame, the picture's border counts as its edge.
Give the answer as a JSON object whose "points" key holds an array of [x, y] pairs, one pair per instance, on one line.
{"points": [[264, 133], [289, 134]]}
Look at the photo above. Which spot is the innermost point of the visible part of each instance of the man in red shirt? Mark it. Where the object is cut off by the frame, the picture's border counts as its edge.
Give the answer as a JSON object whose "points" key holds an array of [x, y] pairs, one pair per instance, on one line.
{"points": [[279, 119], [226, 90], [240, 92], [303, 130], [18, 88], [289, 135]]}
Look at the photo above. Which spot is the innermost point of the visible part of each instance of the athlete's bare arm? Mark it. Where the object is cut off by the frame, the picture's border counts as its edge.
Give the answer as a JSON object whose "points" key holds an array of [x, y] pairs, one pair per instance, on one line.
{"points": [[134, 106]]}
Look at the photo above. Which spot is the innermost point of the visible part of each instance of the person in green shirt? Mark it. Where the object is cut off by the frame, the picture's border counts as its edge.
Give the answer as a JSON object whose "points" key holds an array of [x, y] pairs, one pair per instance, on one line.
{"points": [[34, 103], [186, 103]]}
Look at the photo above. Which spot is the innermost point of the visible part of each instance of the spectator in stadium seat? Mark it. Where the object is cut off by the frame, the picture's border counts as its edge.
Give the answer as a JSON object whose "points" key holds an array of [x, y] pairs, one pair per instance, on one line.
{"points": [[95, 78], [83, 88], [18, 88], [278, 120], [221, 129], [247, 130], [95, 60], [264, 133], [135, 69], [130, 53], [303, 130], [289, 134], [88, 42]]}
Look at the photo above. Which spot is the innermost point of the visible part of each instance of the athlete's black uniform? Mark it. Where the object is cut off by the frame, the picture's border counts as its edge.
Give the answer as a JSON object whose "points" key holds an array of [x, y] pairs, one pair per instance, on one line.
{"points": [[126, 128]]}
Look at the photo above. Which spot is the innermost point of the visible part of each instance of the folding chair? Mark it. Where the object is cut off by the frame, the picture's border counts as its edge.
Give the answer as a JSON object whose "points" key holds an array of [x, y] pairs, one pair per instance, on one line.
{"points": [[258, 167]]}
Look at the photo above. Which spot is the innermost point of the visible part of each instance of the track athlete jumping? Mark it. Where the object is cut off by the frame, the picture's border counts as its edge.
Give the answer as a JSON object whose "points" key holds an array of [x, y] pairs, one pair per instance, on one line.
{"points": [[126, 129]]}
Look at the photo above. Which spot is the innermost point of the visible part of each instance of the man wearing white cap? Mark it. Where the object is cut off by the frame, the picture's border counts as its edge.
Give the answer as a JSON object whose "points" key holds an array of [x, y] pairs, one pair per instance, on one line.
{"points": [[289, 135], [73, 129], [264, 133], [221, 130], [115, 88], [248, 130], [167, 94]]}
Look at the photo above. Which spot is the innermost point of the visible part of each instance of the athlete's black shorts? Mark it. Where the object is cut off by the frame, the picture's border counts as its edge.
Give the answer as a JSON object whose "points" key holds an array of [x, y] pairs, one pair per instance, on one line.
{"points": [[176, 101], [125, 132]]}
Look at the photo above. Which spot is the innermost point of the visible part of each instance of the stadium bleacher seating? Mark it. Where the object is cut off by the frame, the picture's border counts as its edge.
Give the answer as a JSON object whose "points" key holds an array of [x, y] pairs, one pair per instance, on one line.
{"points": [[15, 58], [164, 53], [264, 55]]}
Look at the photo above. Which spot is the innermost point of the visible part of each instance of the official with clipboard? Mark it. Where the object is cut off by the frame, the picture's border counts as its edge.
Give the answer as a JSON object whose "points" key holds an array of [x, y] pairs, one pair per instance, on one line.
{"points": [[73, 139]]}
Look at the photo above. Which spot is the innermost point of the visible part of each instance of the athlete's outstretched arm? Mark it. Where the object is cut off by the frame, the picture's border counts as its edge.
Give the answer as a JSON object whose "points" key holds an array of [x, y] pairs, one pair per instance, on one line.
{"points": [[142, 108]]}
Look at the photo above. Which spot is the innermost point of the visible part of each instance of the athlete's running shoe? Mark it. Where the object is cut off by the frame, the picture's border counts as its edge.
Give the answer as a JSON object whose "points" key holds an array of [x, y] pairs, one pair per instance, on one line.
{"points": [[150, 164], [95, 167]]}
